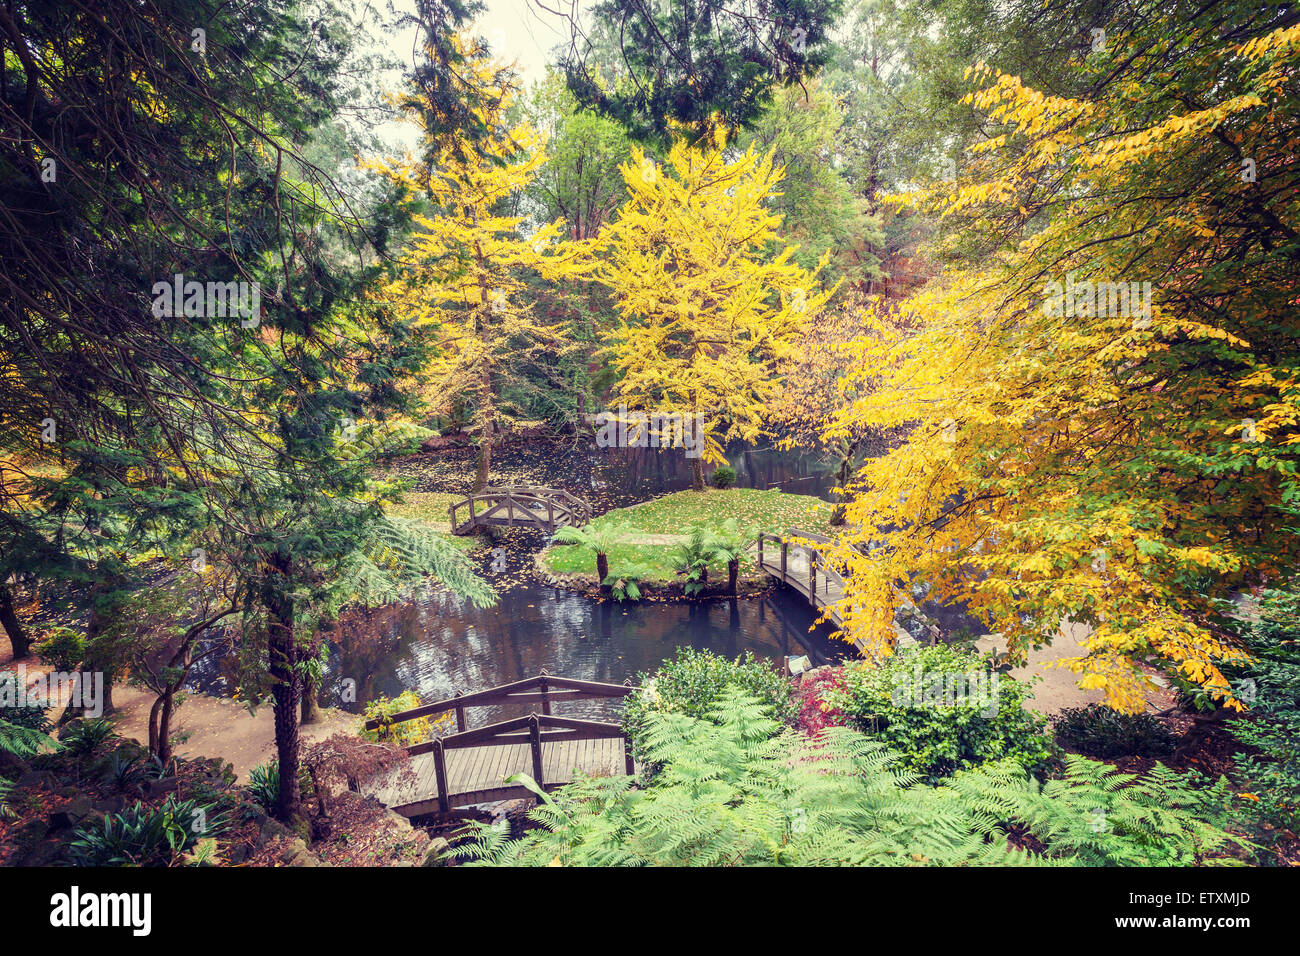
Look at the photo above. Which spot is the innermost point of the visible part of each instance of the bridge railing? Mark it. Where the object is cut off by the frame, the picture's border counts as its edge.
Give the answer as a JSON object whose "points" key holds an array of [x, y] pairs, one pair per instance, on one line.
{"points": [[534, 730], [525, 503], [575, 503], [816, 586]]}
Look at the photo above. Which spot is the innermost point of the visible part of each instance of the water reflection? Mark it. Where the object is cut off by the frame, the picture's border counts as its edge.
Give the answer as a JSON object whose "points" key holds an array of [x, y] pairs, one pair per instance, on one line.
{"points": [[442, 645]]}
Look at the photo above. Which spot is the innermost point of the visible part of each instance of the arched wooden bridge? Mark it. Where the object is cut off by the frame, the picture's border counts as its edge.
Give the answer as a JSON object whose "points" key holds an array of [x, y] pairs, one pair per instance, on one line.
{"points": [[519, 506], [803, 567], [794, 558], [472, 766]]}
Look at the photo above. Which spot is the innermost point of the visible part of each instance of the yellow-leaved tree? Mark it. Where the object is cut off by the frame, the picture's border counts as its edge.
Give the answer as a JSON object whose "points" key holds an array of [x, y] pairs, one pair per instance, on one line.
{"points": [[463, 272], [707, 318], [1104, 408]]}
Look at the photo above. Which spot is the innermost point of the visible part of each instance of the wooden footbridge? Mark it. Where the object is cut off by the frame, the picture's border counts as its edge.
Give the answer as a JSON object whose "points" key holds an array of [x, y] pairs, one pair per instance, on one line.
{"points": [[472, 766], [801, 565], [519, 506]]}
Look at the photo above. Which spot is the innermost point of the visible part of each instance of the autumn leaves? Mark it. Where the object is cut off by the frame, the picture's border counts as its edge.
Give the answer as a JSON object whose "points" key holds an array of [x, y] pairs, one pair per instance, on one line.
{"points": [[1092, 430], [707, 313]]}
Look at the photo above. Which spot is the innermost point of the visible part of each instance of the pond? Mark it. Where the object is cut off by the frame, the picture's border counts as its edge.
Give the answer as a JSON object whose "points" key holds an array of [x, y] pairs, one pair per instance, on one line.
{"points": [[441, 644]]}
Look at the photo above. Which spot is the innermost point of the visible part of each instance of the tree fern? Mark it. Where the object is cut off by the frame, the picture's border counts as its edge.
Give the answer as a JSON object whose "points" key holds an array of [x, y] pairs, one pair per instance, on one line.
{"points": [[399, 558], [378, 438], [23, 741]]}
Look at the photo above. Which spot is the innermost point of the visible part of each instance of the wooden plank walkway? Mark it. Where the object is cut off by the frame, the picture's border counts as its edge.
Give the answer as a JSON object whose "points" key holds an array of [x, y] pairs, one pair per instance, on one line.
{"points": [[478, 774], [803, 568], [471, 766]]}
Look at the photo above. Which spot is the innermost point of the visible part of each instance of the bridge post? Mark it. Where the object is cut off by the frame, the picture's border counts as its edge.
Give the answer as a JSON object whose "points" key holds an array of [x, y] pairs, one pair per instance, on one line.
{"points": [[440, 774], [546, 698], [812, 576], [451, 510], [460, 715], [785, 549], [550, 515], [535, 741], [510, 510], [629, 764]]}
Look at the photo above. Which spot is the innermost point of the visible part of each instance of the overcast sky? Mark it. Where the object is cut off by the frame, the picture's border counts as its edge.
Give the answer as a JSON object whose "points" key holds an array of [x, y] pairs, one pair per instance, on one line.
{"points": [[519, 31]]}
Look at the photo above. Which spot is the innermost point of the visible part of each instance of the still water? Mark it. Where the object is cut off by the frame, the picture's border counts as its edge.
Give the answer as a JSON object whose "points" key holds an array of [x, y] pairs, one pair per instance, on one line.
{"points": [[442, 645]]}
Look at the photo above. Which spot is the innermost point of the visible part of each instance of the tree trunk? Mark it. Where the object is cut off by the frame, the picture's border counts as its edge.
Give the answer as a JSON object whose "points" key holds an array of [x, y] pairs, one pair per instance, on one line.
{"points": [[697, 475], [484, 463], [99, 658], [311, 709], [733, 572], [487, 406], [842, 475], [155, 715], [286, 687], [18, 635], [164, 749], [602, 568]]}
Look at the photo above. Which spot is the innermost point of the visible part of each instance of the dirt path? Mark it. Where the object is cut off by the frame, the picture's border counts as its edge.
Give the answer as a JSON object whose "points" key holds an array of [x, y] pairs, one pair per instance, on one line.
{"points": [[210, 726], [1059, 687]]}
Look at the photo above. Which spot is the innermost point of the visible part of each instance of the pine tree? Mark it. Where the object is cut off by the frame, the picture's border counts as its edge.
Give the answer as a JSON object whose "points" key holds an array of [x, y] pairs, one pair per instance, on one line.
{"points": [[462, 270]]}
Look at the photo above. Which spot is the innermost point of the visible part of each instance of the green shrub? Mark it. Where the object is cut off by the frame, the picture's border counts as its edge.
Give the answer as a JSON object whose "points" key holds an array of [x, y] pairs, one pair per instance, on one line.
{"points": [[124, 770], [61, 648], [146, 836], [691, 560], [625, 586], [1105, 733], [264, 784], [29, 715], [692, 683], [943, 710], [724, 476], [86, 736], [1270, 685]]}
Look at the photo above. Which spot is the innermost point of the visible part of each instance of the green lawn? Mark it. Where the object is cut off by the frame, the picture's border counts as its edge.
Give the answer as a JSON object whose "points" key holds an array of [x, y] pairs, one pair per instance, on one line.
{"points": [[675, 514], [769, 510], [430, 508]]}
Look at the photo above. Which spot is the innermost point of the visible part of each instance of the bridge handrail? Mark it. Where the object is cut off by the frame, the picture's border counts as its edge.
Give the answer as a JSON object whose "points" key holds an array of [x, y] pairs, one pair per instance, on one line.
{"points": [[524, 496], [533, 730], [517, 730], [817, 559], [510, 693]]}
